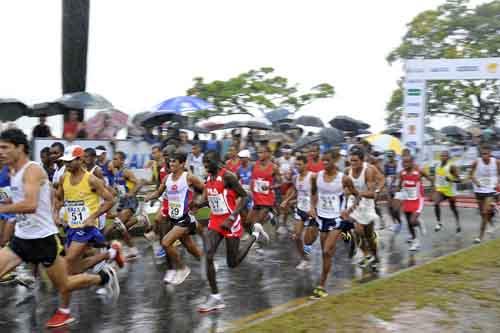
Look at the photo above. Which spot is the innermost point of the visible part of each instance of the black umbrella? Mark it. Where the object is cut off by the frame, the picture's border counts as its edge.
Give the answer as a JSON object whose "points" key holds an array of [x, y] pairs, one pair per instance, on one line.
{"points": [[348, 124], [84, 100], [157, 118], [247, 124], [309, 121], [331, 136], [277, 115], [306, 141], [454, 131], [395, 131], [46, 109], [12, 109]]}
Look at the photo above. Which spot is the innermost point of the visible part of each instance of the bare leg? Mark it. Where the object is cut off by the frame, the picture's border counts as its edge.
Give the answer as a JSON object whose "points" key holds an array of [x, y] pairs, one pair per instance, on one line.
{"points": [[328, 246], [168, 244], [213, 241]]}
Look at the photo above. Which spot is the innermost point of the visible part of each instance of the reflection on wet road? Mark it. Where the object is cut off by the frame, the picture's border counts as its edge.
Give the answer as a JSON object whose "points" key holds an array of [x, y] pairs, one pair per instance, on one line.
{"points": [[261, 282]]}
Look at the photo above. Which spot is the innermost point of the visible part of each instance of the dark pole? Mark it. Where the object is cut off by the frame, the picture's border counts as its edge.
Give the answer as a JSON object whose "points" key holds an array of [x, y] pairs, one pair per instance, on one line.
{"points": [[75, 31]]}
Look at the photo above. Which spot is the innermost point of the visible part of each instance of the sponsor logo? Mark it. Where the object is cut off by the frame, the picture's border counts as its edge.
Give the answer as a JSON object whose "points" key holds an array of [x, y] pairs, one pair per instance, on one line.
{"points": [[414, 81], [492, 68], [414, 92], [413, 105], [467, 69], [415, 70], [440, 70], [412, 115]]}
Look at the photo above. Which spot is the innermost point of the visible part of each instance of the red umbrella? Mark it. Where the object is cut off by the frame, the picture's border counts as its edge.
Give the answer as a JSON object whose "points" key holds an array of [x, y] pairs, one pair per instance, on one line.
{"points": [[105, 124]]}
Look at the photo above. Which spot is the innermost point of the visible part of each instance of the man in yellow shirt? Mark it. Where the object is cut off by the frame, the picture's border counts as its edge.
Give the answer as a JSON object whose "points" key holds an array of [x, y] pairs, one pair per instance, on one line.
{"points": [[84, 198], [446, 175]]}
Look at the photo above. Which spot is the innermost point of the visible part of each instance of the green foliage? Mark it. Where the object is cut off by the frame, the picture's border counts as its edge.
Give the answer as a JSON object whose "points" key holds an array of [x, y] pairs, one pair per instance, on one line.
{"points": [[454, 30], [255, 90]]}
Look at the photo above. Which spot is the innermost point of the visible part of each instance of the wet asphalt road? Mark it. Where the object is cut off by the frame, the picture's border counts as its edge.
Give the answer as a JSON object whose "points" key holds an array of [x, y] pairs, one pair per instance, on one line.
{"points": [[146, 304]]}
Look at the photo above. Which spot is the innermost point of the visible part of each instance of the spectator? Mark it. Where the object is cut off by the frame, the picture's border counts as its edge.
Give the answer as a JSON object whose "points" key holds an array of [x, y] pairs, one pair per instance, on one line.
{"points": [[212, 144], [73, 127], [46, 162], [195, 161], [42, 130], [227, 142], [184, 145]]}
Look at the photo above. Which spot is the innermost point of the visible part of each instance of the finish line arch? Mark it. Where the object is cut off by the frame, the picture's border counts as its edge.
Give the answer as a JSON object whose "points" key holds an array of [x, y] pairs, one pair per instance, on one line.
{"points": [[418, 72]]}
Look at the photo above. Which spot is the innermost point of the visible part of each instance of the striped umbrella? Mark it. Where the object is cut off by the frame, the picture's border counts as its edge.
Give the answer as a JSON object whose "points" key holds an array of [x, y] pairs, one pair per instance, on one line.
{"points": [[385, 142]]}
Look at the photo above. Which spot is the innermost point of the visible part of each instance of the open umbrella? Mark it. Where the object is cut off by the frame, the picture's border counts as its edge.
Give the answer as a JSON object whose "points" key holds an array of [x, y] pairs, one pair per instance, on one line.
{"points": [[309, 121], [331, 136], [277, 115], [210, 125], [274, 137], [84, 100], [306, 141], [46, 109], [183, 104], [105, 124], [385, 142], [453, 131], [247, 124], [348, 124], [12, 109]]}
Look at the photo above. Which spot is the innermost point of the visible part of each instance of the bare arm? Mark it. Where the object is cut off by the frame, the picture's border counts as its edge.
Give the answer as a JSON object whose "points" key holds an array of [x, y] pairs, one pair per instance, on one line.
{"points": [[107, 203], [33, 179], [196, 182], [230, 181], [156, 193], [371, 183], [314, 195], [129, 175], [473, 172], [277, 176]]}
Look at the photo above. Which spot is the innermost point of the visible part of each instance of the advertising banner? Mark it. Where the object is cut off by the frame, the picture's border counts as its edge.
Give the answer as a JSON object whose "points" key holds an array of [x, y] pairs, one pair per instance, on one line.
{"points": [[414, 113], [453, 69]]}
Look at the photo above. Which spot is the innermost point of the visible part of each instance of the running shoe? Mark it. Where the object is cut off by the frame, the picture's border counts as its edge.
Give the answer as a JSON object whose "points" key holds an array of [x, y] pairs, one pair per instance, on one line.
{"points": [[346, 236], [282, 230], [133, 253], [119, 224], [363, 262], [409, 240], [396, 228], [181, 275], [308, 249], [213, 303], [459, 229], [489, 229], [304, 265], [60, 319], [160, 253], [169, 276], [119, 259], [8, 278], [25, 280], [438, 227], [477, 241], [259, 232], [319, 293], [150, 236], [113, 285], [415, 245]]}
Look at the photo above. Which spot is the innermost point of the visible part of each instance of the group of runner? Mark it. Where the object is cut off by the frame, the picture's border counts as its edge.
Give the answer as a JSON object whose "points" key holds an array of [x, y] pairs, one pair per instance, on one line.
{"points": [[336, 196]]}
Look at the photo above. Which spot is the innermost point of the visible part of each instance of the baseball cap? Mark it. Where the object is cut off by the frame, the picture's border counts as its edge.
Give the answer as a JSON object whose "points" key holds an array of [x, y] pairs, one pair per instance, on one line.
{"points": [[245, 153], [72, 152], [99, 150]]}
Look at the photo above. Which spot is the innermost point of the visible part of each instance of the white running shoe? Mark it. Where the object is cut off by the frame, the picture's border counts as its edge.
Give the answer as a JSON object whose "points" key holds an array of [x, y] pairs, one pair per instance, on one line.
{"points": [[113, 286], [213, 303], [304, 265], [438, 227], [133, 253], [409, 240], [181, 275], [169, 276], [415, 246], [477, 241], [258, 231]]}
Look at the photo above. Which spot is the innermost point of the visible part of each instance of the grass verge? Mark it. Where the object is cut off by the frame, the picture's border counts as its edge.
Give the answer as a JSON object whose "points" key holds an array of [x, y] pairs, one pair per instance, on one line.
{"points": [[439, 284]]}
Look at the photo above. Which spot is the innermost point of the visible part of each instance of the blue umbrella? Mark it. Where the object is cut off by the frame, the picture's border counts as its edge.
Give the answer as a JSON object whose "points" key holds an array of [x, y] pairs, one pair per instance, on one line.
{"points": [[277, 115], [183, 104]]}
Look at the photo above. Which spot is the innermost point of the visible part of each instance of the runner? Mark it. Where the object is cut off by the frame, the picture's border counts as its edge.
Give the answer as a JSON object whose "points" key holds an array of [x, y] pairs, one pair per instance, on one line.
{"points": [[411, 193], [363, 176], [485, 175], [155, 165], [446, 174], [286, 165], [84, 198], [56, 151], [301, 195], [391, 181], [178, 197], [127, 186], [35, 239], [105, 165], [91, 167], [226, 198], [376, 159], [265, 177], [195, 162], [314, 162], [233, 162], [326, 208], [244, 175]]}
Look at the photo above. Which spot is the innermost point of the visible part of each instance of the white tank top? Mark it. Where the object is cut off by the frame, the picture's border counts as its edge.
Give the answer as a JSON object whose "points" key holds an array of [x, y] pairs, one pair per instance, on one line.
{"points": [[177, 195], [486, 175], [360, 182], [303, 188], [330, 196], [39, 224]]}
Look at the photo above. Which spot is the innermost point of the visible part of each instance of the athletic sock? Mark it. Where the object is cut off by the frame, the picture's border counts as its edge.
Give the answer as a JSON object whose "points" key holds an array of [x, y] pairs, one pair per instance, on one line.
{"points": [[64, 310]]}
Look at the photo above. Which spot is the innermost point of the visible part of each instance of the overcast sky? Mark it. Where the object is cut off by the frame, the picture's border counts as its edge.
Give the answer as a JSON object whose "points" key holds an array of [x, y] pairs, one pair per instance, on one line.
{"points": [[143, 52]]}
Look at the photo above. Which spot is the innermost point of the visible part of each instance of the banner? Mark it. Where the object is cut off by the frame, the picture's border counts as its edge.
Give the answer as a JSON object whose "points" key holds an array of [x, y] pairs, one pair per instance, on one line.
{"points": [[453, 69], [413, 114]]}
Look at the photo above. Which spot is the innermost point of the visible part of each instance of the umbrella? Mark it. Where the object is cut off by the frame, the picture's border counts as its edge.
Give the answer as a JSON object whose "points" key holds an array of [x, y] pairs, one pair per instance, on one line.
{"points": [[474, 131], [105, 124], [210, 125], [12, 109], [277, 115], [306, 141], [247, 124], [331, 136], [46, 109], [274, 136], [348, 124], [395, 131], [453, 131], [385, 142], [309, 121], [157, 118], [84, 100], [183, 104]]}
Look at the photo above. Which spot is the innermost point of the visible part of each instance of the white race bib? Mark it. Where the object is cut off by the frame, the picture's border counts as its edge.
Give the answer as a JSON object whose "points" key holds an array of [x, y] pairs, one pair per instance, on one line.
{"points": [[121, 190], [328, 205], [175, 209], [304, 203], [5, 194], [486, 182], [411, 193], [217, 205], [77, 213], [261, 186], [441, 181]]}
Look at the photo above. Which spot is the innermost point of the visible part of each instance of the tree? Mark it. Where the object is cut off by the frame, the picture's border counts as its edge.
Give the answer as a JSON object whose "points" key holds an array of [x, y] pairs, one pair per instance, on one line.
{"points": [[255, 90], [454, 30], [394, 107]]}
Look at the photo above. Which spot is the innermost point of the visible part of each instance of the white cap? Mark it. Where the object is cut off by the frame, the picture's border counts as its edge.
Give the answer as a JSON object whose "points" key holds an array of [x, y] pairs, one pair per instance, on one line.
{"points": [[245, 153], [343, 152], [99, 152], [71, 153]]}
